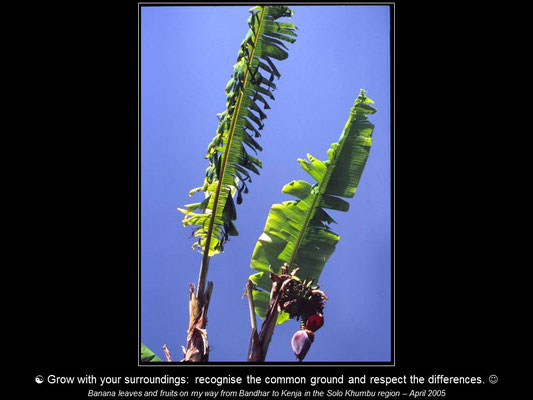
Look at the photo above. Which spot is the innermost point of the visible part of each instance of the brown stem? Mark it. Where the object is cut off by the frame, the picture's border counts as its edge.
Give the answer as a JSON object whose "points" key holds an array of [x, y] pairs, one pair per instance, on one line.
{"points": [[197, 349], [259, 342]]}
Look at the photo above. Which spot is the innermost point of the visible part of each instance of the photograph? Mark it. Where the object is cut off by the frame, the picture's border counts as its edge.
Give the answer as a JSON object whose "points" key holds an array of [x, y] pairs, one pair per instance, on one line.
{"points": [[265, 142], [273, 200]]}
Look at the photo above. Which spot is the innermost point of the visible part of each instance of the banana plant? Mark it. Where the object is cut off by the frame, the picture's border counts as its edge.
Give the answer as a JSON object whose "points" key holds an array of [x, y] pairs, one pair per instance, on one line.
{"points": [[297, 236], [230, 162]]}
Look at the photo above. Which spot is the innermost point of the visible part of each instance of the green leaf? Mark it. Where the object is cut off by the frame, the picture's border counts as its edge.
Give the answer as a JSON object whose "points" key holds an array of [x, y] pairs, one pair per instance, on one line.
{"points": [[229, 159], [298, 232], [148, 355]]}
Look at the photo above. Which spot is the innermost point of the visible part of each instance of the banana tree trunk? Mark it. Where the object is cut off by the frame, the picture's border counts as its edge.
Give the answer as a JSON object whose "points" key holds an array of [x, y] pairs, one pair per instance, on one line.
{"points": [[197, 349]]}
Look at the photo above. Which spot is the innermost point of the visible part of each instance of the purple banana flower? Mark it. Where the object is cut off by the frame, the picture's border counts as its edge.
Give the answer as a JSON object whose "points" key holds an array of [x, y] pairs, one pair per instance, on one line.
{"points": [[301, 342]]}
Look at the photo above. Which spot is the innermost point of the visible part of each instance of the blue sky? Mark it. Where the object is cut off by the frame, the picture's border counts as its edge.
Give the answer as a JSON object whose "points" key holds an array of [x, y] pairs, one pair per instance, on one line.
{"points": [[187, 55]]}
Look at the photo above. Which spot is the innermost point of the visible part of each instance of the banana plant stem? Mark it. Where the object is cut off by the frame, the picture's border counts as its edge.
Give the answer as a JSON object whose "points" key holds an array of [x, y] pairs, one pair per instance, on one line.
{"points": [[202, 276], [249, 294]]}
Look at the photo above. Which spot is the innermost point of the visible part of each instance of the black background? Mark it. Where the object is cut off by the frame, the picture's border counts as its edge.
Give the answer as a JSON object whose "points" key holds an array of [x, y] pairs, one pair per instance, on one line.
{"points": [[74, 270]]}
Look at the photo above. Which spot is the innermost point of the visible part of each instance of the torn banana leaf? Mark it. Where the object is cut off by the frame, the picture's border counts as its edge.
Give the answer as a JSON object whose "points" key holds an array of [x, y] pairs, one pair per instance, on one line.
{"points": [[298, 232], [249, 92]]}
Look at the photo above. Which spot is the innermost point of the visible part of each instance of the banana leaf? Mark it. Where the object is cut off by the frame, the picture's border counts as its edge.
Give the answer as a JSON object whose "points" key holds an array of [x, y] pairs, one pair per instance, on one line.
{"points": [[230, 162], [148, 355], [298, 232]]}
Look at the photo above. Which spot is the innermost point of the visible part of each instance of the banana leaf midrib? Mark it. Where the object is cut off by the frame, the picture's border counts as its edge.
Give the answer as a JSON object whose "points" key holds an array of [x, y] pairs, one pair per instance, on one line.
{"points": [[201, 282], [309, 216]]}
